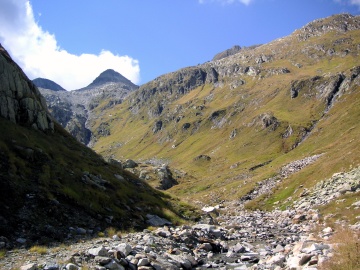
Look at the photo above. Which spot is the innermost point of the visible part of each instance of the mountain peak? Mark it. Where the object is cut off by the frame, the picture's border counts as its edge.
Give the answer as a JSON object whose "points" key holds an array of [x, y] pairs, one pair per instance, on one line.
{"points": [[47, 84], [109, 76]]}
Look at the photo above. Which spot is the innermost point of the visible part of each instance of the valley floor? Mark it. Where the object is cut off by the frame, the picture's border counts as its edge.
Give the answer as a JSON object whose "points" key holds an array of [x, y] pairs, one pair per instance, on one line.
{"points": [[228, 237]]}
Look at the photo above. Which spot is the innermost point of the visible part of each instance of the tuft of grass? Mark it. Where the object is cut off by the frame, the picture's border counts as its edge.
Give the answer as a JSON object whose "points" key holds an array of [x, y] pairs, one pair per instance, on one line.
{"points": [[347, 249], [2, 253], [39, 249], [111, 231]]}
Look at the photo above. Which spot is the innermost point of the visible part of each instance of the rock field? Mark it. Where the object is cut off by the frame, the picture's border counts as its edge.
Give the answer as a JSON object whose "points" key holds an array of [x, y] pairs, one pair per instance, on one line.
{"points": [[228, 237]]}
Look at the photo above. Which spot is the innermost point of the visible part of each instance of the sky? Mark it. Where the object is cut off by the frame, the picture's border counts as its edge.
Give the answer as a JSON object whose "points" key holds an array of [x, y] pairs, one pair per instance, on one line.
{"points": [[72, 42]]}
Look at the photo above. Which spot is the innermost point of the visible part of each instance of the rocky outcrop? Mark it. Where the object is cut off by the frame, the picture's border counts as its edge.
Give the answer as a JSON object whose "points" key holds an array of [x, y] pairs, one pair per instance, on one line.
{"points": [[340, 23], [233, 50], [20, 100]]}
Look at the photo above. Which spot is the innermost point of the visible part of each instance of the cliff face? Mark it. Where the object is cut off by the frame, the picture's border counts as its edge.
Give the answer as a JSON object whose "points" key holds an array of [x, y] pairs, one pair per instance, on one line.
{"points": [[20, 100]]}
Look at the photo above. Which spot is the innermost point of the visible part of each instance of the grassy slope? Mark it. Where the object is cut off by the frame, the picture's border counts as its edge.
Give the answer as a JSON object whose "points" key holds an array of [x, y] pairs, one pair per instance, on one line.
{"points": [[335, 133], [51, 167]]}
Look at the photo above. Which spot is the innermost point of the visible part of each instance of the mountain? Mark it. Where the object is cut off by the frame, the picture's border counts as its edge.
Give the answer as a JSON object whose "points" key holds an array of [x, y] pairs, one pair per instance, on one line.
{"points": [[110, 76], [75, 110], [52, 186], [47, 84], [282, 115]]}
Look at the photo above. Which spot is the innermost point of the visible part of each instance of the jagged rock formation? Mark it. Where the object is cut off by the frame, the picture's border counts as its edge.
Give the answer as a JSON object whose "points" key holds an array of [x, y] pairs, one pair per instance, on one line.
{"points": [[47, 84], [20, 100], [74, 110]]}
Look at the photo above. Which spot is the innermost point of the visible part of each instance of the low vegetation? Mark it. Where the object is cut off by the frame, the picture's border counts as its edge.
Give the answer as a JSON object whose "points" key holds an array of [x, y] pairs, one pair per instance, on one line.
{"points": [[346, 245]]}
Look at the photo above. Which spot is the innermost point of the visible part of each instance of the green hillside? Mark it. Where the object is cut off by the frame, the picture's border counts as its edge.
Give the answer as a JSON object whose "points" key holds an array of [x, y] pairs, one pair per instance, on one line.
{"points": [[251, 113]]}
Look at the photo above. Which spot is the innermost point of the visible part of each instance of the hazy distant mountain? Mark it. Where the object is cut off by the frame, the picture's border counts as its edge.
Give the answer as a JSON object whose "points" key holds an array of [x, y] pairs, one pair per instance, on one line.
{"points": [[47, 84]]}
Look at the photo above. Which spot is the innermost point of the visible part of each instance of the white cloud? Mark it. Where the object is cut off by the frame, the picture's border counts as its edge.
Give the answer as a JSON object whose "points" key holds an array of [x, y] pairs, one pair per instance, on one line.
{"points": [[245, 2], [355, 2], [39, 55]]}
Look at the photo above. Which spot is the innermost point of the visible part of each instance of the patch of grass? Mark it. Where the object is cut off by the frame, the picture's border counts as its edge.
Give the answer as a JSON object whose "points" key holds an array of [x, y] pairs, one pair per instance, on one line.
{"points": [[39, 249], [2, 253], [111, 231], [347, 249]]}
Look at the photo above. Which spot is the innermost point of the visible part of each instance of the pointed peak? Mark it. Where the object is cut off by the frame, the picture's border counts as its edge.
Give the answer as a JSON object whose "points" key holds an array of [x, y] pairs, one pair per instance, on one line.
{"points": [[109, 76]]}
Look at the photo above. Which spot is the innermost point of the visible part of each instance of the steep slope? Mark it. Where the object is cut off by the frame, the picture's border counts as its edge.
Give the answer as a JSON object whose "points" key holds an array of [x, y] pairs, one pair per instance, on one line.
{"points": [[229, 124], [53, 187], [74, 109], [47, 84]]}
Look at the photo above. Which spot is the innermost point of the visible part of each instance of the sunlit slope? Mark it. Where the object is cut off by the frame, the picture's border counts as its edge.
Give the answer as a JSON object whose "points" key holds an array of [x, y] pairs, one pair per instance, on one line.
{"points": [[250, 113]]}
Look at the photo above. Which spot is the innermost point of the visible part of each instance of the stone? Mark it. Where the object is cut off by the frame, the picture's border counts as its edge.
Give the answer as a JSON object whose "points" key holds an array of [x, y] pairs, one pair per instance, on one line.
{"points": [[143, 262], [129, 163], [278, 249], [51, 266], [21, 240], [327, 230], [156, 221], [30, 266], [71, 266], [305, 258], [124, 248], [99, 251], [114, 266], [205, 246]]}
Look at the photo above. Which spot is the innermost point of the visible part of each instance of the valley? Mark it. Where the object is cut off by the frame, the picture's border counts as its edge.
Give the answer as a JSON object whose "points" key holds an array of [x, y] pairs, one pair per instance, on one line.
{"points": [[248, 161]]}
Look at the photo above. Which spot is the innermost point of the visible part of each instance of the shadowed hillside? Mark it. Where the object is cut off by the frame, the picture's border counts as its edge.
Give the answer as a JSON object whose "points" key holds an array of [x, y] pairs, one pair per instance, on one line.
{"points": [[52, 186]]}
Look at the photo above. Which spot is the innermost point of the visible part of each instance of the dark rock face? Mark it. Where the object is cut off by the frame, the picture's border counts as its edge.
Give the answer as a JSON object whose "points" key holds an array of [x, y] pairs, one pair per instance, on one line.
{"points": [[20, 100], [227, 53], [47, 84]]}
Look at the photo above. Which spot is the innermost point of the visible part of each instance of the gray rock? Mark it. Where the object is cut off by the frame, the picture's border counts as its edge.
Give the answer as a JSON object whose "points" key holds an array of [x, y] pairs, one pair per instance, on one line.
{"points": [[143, 262], [21, 240], [124, 248], [114, 266], [51, 266], [156, 221], [99, 251], [71, 266], [130, 164], [30, 266]]}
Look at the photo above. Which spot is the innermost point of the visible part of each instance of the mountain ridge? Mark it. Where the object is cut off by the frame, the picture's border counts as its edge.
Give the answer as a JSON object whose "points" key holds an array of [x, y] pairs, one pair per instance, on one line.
{"points": [[269, 99]]}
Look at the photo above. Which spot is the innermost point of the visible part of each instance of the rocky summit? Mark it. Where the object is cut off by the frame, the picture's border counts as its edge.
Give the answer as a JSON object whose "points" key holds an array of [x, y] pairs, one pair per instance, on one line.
{"points": [[75, 110]]}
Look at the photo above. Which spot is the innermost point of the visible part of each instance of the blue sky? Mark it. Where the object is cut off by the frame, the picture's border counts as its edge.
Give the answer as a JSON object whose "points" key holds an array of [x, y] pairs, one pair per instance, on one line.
{"points": [[71, 42]]}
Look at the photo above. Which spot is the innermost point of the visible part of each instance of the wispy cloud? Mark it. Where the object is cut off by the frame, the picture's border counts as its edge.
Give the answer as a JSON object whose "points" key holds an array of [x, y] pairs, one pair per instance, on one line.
{"points": [[245, 2], [39, 55], [348, 2]]}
